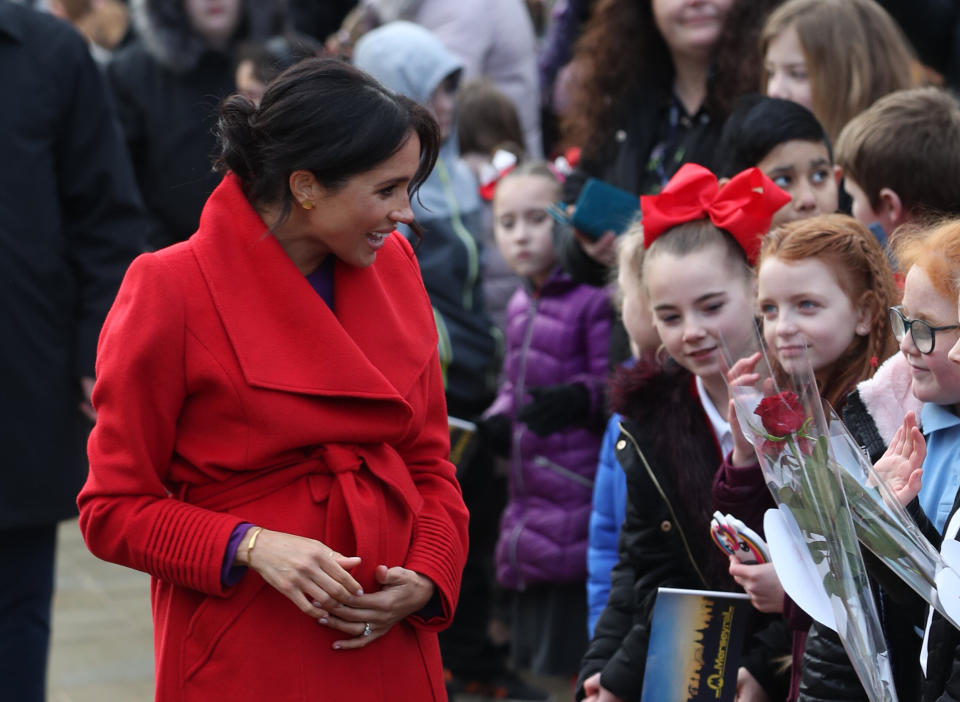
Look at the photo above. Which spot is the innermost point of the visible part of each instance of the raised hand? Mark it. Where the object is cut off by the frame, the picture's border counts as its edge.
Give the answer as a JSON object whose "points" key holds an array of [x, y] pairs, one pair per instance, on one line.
{"points": [[901, 466]]}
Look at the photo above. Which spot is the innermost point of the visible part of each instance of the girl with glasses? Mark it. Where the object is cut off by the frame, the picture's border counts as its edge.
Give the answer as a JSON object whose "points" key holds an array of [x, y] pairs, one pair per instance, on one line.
{"points": [[926, 327]]}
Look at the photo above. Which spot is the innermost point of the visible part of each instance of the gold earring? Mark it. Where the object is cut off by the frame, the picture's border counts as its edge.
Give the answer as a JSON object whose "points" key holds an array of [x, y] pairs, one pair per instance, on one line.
{"points": [[306, 204]]}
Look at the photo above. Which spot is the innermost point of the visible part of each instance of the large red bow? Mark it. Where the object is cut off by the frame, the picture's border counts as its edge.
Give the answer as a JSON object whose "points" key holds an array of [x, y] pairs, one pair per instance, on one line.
{"points": [[744, 206]]}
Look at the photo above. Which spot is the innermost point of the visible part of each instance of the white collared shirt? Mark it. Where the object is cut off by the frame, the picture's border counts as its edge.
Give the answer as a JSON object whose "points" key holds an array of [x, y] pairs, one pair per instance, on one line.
{"points": [[719, 423]]}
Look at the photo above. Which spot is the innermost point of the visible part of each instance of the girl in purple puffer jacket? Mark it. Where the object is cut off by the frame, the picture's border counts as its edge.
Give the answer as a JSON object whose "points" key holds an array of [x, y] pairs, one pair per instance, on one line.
{"points": [[552, 404]]}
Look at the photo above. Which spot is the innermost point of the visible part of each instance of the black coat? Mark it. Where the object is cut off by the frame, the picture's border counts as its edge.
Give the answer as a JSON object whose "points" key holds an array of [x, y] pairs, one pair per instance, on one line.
{"points": [[168, 120], [167, 86], [668, 451], [70, 222]]}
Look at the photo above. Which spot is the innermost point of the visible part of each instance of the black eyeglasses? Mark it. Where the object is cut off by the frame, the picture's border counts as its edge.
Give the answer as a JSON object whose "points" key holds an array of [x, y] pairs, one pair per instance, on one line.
{"points": [[923, 333]]}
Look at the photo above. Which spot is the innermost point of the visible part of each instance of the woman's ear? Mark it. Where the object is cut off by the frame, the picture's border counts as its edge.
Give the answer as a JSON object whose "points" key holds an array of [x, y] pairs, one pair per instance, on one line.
{"points": [[838, 174], [304, 188]]}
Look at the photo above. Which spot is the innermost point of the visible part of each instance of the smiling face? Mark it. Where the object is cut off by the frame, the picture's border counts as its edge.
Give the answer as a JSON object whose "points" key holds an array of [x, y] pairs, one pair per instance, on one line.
{"points": [[690, 27], [352, 221], [522, 227], [802, 169], [786, 68], [697, 299], [805, 311], [936, 378]]}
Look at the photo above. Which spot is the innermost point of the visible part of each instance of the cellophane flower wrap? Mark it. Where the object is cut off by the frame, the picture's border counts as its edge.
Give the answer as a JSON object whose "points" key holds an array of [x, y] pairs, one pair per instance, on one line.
{"points": [[883, 525], [785, 422]]}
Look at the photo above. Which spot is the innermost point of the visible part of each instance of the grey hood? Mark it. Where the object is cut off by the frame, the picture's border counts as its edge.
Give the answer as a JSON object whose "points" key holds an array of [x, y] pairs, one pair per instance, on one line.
{"points": [[406, 58], [165, 31]]}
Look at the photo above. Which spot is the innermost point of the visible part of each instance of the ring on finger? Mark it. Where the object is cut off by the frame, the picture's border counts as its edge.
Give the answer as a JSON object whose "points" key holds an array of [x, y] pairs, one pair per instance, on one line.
{"points": [[366, 629]]}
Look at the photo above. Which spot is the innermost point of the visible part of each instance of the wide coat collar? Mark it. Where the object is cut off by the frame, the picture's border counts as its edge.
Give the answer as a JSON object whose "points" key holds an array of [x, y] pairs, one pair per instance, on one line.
{"points": [[285, 336]]}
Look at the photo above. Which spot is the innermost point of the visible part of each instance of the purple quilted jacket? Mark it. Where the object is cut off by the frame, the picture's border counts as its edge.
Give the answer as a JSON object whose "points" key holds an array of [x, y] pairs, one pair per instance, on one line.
{"points": [[559, 335]]}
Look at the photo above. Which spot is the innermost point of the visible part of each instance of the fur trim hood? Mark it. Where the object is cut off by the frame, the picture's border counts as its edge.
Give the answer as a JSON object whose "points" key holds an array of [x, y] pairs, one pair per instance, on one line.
{"points": [[165, 31]]}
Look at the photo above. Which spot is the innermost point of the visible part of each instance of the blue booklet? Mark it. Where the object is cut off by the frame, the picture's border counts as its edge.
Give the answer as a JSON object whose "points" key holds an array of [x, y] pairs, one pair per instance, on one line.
{"points": [[696, 638]]}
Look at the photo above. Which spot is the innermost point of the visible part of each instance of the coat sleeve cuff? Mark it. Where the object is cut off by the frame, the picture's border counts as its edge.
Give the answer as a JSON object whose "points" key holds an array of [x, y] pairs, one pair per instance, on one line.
{"points": [[436, 553]]}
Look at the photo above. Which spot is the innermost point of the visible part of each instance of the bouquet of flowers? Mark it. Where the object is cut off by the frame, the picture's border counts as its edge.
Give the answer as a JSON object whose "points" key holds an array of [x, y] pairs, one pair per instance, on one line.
{"points": [[789, 432]]}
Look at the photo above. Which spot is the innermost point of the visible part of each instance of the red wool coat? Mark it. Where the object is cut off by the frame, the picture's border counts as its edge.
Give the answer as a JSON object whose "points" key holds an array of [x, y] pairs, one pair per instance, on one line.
{"points": [[227, 392]]}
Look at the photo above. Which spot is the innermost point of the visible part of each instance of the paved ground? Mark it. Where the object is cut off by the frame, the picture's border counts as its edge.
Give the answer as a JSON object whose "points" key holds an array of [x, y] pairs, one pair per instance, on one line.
{"points": [[102, 648]]}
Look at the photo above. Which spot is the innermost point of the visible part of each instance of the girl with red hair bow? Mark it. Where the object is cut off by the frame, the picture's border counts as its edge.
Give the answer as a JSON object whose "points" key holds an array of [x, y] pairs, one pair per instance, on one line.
{"points": [[700, 241]]}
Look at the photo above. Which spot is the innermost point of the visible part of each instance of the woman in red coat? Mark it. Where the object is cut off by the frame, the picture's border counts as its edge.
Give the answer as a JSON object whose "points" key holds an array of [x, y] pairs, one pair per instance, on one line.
{"points": [[271, 442]]}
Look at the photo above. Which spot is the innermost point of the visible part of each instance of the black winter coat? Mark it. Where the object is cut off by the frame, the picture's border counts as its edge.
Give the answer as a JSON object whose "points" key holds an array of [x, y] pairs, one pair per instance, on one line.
{"points": [[668, 451], [71, 221], [168, 119], [167, 86]]}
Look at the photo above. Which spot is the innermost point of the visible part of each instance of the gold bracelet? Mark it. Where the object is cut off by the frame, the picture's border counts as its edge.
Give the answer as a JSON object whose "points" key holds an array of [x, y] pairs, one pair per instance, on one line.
{"points": [[255, 532]]}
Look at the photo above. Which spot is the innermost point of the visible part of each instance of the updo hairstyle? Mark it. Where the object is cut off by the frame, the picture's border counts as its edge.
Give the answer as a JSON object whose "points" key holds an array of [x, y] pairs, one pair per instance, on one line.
{"points": [[324, 116]]}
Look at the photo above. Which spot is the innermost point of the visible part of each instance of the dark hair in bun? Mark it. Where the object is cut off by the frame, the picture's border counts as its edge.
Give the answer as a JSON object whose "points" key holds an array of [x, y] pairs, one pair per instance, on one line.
{"points": [[323, 116]]}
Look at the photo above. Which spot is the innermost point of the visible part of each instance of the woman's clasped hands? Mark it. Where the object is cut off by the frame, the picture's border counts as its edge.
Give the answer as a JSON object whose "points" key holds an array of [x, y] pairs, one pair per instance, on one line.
{"points": [[317, 580]]}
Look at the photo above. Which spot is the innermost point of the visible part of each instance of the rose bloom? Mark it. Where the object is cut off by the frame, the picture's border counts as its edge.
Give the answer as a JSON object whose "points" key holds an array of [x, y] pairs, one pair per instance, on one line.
{"points": [[781, 414]]}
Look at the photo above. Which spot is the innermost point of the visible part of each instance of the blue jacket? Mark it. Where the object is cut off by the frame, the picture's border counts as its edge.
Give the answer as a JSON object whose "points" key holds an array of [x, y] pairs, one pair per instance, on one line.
{"points": [[609, 508]]}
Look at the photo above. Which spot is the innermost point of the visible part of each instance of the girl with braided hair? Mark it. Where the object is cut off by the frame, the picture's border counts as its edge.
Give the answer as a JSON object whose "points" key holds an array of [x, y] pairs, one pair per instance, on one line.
{"points": [[824, 290]]}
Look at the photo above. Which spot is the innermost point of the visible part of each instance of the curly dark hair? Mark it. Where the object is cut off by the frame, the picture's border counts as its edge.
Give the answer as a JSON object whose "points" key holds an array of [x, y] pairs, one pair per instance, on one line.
{"points": [[621, 51]]}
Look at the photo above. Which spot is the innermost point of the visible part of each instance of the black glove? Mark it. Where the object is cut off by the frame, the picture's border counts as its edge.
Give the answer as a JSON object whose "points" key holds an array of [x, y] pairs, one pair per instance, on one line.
{"points": [[555, 407], [495, 433]]}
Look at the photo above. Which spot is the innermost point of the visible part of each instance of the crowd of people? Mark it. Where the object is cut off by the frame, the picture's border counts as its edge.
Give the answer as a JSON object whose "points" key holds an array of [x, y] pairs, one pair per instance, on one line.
{"points": [[262, 255]]}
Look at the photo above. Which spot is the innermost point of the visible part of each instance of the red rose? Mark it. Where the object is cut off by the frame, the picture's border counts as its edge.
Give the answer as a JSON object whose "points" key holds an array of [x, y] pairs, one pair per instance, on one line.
{"points": [[781, 414]]}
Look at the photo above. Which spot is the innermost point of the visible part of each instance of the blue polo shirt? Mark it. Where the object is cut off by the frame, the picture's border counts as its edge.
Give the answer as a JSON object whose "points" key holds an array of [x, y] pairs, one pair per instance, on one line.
{"points": [[941, 467]]}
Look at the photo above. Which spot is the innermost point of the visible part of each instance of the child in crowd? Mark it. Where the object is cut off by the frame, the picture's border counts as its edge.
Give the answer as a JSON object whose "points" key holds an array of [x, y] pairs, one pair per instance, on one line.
{"points": [[784, 140], [901, 159], [834, 57], [487, 122], [610, 486], [824, 288], [926, 327], [554, 375], [258, 63], [699, 281]]}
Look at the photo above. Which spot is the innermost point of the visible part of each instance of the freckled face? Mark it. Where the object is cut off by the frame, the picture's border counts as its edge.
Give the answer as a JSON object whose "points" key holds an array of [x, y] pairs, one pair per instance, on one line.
{"points": [[936, 378], [805, 312]]}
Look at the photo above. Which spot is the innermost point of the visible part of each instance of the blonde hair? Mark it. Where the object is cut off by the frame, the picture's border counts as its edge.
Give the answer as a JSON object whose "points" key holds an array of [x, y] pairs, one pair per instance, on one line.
{"points": [[694, 236], [862, 271], [854, 53]]}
